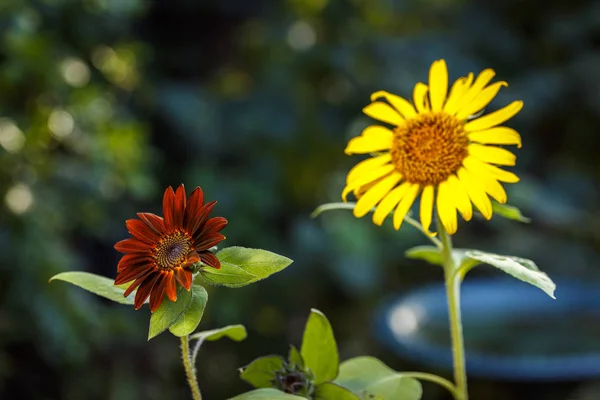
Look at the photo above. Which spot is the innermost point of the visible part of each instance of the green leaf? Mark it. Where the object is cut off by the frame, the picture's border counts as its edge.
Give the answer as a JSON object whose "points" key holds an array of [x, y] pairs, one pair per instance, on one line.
{"points": [[241, 266], [431, 254], [319, 349], [188, 320], [229, 275], [331, 391], [332, 206], [434, 256], [372, 379], [509, 212], [261, 372], [168, 312], [96, 284], [233, 332], [295, 357], [266, 394], [520, 268]]}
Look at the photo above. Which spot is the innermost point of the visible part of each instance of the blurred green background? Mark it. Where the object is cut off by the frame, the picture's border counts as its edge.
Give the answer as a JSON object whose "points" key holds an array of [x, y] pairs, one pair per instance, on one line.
{"points": [[104, 103]]}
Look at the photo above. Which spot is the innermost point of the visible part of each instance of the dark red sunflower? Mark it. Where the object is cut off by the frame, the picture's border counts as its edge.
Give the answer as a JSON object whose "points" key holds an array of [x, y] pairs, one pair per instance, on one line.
{"points": [[162, 251]]}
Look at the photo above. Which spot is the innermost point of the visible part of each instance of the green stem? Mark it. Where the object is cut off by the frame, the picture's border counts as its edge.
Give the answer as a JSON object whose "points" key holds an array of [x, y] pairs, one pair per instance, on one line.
{"points": [[453, 281], [190, 371], [423, 376], [350, 206]]}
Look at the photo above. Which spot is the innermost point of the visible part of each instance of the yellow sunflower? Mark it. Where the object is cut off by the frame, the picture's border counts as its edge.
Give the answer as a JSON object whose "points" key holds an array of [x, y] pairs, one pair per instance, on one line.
{"points": [[437, 149]]}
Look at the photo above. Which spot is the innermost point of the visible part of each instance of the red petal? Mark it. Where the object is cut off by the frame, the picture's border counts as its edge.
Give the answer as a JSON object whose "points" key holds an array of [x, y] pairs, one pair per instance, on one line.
{"points": [[158, 292], [141, 231], [192, 258], [168, 209], [208, 241], [202, 217], [192, 211], [213, 225], [131, 246], [137, 283], [210, 259], [156, 223], [179, 208], [144, 291], [184, 277], [130, 273], [132, 259], [171, 286]]}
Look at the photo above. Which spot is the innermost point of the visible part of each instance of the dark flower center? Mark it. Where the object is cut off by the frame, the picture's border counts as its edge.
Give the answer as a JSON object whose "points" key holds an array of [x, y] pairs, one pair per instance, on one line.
{"points": [[172, 250]]}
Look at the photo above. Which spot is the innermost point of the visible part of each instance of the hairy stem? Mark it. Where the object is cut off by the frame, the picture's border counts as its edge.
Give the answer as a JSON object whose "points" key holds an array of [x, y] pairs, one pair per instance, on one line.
{"points": [[190, 370]]}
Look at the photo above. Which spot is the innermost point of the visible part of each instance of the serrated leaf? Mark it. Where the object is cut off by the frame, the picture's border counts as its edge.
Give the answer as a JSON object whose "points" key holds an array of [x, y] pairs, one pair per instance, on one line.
{"points": [[266, 394], [331, 391], [233, 332], [96, 284], [372, 379], [229, 275], [260, 373], [319, 349], [189, 319], [168, 312], [295, 357], [241, 266], [520, 268], [509, 212]]}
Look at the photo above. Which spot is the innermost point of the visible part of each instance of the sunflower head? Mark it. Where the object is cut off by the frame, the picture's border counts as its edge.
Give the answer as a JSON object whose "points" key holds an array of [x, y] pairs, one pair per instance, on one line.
{"points": [[163, 251], [434, 147]]}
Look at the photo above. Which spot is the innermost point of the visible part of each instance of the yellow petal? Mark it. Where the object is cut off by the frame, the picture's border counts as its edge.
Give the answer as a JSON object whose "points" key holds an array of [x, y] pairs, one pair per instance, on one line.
{"points": [[367, 178], [446, 208], [400, 103], [476, 193], [375, 194], [459, 88], [498, 135], [482, 100], [420, 97], [461, 199], [373, 138], [438, 84], [367, 165], [426, 208], [482, 79], [487, 181], [389, 202], [383, 112], [495, 118], [498, 174], [492, 154], [405, 204]]}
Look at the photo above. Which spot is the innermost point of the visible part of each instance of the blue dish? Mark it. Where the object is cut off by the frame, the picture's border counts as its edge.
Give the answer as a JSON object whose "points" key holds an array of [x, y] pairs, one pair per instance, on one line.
{"points": [[513, 331]]}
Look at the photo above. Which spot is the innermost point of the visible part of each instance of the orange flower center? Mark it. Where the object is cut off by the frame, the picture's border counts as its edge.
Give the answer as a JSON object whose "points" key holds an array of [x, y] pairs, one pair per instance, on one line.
{"points": [[172, 250], [429, 148]]}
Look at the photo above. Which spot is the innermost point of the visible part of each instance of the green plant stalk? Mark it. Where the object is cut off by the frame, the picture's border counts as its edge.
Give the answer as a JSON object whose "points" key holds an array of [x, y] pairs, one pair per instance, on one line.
{"points": [[453, 281], [424, 376], [190, 370]]}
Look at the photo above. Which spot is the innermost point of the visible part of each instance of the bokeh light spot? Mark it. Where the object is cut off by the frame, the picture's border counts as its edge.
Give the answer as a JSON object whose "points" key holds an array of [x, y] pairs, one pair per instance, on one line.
{"points": [[60, 123], [75, 72], [11, 137], [301, 36], [19, 198]]}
